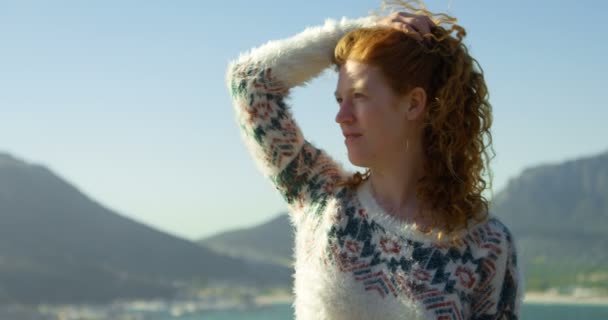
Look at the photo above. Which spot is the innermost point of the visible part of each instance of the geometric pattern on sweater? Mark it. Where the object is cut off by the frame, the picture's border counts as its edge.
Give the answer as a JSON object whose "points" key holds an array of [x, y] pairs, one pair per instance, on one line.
{"points": [[474, 279], [429, 274], [278, 137]]}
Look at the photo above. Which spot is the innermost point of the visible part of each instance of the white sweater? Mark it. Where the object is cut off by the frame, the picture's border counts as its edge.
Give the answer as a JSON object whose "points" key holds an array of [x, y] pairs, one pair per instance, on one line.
{"points": [[353, 260]]}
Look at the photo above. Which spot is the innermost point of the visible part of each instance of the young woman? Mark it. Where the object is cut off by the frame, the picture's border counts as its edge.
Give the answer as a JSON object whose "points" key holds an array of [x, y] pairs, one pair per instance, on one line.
{"points": [[411, 238]]}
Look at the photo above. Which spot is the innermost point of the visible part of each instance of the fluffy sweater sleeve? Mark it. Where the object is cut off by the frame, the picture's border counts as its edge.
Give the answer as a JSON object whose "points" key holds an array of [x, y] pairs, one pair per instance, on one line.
{"points": [[259, 82]]}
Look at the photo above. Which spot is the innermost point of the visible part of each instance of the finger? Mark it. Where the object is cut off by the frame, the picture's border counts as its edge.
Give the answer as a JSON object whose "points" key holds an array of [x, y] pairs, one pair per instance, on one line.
{"points": [[430, 22], [408, 29], [403, 14], [421, 25]]}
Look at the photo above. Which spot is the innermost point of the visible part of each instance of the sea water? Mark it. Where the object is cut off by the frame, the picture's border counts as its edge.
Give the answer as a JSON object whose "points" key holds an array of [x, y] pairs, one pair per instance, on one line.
{"points": [[529, 312]]}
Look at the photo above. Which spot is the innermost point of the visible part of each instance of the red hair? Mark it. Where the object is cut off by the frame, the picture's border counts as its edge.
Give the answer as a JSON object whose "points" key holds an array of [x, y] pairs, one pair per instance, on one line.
{"points": [[456, 134]]}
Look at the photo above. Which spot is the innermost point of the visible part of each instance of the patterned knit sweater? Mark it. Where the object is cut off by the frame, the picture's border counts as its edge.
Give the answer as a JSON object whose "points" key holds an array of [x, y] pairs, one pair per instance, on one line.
{"points": [[353, 260]]}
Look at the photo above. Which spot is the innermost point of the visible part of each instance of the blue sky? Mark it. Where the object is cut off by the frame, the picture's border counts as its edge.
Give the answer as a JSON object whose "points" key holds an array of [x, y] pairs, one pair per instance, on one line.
{"points": [[127, 101]]}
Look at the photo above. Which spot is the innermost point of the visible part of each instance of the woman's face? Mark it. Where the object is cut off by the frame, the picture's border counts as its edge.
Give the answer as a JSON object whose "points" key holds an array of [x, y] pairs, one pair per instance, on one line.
{"points": [[372, 117]]}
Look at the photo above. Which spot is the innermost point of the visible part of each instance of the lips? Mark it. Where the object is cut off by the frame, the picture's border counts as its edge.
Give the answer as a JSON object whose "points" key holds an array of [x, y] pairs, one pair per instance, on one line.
{"points": [[351, 136]]}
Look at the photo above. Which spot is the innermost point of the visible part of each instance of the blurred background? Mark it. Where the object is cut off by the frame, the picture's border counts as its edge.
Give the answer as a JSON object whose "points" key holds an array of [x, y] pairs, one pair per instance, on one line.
{"points": [[127, 193]]}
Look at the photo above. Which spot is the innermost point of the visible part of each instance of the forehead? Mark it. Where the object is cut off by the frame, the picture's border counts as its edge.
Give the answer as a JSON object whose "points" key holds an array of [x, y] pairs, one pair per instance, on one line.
{"points": [[354, 74]]}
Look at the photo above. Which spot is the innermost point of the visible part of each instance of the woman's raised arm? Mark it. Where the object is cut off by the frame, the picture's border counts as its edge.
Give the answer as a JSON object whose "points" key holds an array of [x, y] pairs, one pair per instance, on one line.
{"points": [[259, 82]]}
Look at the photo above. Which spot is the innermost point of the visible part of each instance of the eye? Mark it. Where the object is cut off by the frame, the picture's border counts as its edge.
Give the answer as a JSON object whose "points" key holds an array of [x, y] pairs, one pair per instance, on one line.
{"points": [[338, 100], [358, 95]]}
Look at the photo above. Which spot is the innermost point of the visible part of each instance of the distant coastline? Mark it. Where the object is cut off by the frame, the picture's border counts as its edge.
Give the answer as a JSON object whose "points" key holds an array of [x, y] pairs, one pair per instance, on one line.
{"points": [[279, 298], [555, 298], [529, 298]]}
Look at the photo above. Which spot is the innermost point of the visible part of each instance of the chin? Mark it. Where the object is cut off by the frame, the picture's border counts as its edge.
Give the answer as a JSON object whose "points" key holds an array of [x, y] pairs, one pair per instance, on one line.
{"points": [[357, 160]]}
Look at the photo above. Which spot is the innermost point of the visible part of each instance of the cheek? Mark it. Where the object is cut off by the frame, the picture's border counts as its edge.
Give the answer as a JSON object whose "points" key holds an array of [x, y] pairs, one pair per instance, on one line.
{"points": [[377, 118], [388, 129]]}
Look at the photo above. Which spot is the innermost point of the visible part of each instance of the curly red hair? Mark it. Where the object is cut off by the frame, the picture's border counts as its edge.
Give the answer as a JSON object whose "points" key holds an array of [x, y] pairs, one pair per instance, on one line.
{"points": [[456, 139]]}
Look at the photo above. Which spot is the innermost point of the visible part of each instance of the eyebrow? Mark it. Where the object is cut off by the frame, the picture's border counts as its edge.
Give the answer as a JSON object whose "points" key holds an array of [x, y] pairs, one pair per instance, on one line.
{"points": [[353, 88]]}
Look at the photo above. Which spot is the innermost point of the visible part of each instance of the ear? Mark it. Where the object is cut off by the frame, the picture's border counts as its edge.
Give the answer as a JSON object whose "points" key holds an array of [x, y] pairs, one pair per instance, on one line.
{"points": [[417, 103]]}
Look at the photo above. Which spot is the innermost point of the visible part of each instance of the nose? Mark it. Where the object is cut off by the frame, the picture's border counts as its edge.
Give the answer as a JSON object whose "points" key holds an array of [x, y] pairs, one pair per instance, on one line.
{"points": [[345, 114]]}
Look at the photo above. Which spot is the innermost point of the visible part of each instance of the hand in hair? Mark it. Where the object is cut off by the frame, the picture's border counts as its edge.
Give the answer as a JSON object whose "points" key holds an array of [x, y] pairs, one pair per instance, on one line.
{"points": [[416, 25]]}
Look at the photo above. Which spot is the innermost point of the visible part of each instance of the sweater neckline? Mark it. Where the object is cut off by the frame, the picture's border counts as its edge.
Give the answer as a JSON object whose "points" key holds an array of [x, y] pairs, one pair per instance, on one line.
{"points": [[398, 226]]}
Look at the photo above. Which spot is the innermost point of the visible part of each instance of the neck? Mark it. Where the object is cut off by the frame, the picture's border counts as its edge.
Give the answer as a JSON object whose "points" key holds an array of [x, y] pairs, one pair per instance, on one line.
{"points": [[394, 184]]}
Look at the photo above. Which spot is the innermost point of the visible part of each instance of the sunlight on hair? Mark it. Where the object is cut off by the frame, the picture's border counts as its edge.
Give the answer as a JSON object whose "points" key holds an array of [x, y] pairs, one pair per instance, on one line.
{"points": [[456, 137]]}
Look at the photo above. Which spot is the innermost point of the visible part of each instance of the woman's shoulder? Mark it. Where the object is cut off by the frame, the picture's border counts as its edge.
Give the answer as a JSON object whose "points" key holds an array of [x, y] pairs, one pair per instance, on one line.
{"points": [[496, 224], [491, 233]]}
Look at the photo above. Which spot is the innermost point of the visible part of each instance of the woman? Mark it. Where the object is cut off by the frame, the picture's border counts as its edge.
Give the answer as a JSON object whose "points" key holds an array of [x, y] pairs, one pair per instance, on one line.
{"points": [[411, 238]]}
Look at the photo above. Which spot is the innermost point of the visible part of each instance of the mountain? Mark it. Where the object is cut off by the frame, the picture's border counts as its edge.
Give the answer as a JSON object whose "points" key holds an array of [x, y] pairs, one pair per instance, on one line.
{"points": [[57, 245], [271, 242], [558, 213]]}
